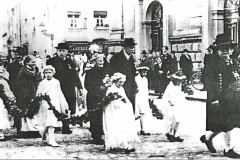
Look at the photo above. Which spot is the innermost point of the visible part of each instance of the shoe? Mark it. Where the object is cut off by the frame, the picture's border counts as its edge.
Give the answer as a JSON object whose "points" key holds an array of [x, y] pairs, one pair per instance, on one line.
{"points": [[208, 143], [53, 144], [66, 132], [144, 133], [231, 154], [169, 137], [129, 150], [177, 139], [2, 138], [98, 141]]}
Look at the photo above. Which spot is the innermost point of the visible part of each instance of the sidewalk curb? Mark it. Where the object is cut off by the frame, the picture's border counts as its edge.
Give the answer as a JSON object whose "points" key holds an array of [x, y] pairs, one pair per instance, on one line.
{"points": [[195, 99]]}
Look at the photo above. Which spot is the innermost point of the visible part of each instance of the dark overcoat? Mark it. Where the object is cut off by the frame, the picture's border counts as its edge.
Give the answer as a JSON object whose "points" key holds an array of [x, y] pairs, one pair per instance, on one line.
{"points": [[13, 70], [161, 80], [186, 65], [69, 80], [93, 82], [217, 84], [27, 86], [119, 63]]}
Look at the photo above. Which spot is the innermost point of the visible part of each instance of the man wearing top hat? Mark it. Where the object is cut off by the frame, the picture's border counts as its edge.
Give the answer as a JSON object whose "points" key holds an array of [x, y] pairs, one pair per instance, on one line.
{"points": [[123, 62], [222, 110], [69, 80]]}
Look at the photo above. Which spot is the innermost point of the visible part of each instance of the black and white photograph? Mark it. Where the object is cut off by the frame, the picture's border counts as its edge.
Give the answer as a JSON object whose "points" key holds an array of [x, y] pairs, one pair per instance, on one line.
{"points": [[120, 79]]}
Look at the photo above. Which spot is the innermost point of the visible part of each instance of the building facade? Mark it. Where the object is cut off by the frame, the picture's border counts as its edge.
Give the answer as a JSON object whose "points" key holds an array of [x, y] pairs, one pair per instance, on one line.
{"points": [[39, 25]]}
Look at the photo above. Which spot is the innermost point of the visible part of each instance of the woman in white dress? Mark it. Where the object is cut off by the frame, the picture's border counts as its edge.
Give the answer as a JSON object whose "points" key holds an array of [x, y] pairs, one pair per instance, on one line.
{"points": [[142, 103], [174, 99], [4, 119], [46, 121], [118, 119]]}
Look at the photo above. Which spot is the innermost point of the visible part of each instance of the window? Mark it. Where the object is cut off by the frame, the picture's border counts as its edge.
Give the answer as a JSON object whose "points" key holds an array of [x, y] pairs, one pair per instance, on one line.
{"points": [[100, 17], [73, 18]]}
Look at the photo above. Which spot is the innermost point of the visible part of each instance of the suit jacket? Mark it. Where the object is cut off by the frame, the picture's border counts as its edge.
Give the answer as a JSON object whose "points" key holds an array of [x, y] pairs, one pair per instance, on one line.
{"points": [[119, 63], [186, 63], [66, 74], [166, 62]]}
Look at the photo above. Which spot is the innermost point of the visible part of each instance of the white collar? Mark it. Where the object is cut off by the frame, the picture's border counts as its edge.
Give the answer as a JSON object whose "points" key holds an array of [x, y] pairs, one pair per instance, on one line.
{"points": [[126, 55]]}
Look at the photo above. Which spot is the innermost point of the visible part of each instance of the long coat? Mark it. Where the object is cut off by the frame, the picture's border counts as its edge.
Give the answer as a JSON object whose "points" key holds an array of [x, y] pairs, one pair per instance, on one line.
{"points": [[27, 86], [186, 65], [218, 79], [69, 80], [161, 80], [119, 63], [13, 70], [93, 82]]}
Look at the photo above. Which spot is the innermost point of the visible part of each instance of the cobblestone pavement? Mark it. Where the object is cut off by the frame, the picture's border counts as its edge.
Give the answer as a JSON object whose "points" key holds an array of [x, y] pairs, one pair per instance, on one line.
{"points": [[78, 145]]}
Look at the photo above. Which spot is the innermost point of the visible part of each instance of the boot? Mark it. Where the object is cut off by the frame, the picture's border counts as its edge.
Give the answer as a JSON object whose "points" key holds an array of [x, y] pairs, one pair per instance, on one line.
{"points": [[65, 128]]}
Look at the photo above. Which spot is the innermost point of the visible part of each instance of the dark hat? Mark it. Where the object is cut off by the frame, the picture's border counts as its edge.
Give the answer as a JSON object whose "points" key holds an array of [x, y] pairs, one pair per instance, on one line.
{"points": [[62, 46], [223, 40], [20, 51], [129, 42], [185, 50]]}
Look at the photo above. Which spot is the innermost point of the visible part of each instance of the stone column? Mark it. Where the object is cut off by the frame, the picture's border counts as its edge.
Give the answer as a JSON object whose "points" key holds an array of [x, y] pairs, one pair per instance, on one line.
{"points": [[218, 21], [138, 28]]}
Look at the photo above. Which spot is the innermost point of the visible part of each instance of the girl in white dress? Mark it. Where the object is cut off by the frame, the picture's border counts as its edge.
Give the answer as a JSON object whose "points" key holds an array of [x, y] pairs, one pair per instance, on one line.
{"points": [[4, 119], [118, 119], [46, 119], [142, 103], [174, 99]]}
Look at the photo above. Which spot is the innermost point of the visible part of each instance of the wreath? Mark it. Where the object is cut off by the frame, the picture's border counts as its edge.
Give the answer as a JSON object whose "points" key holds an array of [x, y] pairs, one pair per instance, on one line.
{"points": [[10, 103], [34, 107], [105, 101], [155, 111]]}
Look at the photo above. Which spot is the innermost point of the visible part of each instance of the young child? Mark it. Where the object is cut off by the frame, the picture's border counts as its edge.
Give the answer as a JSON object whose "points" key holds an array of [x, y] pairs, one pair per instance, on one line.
{"points": [[141, 100], [174, 98], [46, 119], [4, 119], [118, 119]]}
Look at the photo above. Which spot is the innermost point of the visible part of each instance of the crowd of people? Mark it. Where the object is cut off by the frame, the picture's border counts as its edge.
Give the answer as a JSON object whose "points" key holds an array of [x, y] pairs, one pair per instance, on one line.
{"points": [[124, 84]]}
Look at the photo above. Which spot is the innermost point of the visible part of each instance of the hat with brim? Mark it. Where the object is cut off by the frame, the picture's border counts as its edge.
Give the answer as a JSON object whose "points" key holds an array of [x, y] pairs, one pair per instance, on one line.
{"points": [[62, 46], [129, 42], [223, 40], [178, 75]]}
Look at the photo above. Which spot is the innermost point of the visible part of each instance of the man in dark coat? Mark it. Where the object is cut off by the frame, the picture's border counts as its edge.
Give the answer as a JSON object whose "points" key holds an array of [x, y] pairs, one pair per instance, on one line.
{"points": [[221, 113], [166, 64], [186, 64], [13, 70], [68, 77], [123, 62]]}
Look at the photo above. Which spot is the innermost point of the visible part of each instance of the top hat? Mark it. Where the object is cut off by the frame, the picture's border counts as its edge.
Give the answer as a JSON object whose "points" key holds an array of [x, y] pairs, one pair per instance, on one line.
{"points": [[185, 50], [62, 46], [129, 42]]}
